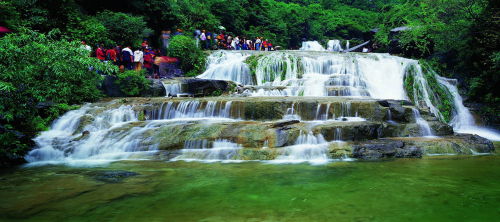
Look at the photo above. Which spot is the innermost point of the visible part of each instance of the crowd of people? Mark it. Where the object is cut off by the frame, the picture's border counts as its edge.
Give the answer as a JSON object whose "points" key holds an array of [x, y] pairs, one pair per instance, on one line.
{"points": [[144, 57], [211, 40]]}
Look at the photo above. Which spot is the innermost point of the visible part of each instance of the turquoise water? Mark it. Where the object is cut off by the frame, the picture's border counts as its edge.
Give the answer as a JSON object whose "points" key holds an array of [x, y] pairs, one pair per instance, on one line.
{"points": [[440, 188]]}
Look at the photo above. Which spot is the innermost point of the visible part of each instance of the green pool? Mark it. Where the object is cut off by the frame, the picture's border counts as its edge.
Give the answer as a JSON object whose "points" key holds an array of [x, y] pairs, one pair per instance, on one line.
{"points": [[438, 188]]}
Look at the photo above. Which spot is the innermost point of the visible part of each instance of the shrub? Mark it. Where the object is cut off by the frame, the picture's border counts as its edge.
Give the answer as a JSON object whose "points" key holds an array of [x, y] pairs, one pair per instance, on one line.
{"points": [[191, 58], [132, 83], [38, 72]]}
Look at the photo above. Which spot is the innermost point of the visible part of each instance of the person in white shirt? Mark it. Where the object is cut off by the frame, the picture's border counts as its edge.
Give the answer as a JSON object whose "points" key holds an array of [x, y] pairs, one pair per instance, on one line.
{"points": [[138, 59], [86, 47]]}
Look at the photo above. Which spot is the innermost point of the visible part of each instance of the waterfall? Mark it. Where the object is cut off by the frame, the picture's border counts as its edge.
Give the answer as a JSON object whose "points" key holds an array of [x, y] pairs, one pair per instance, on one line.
{"points": [[307, 148], [172, 89], [272, 69], [344, 111], [425, 129], [291, 113], [347, 45], [334, 46], [62, 145], [228, 65], [463, 121], [312, 46], [202, 150], [194, 109]]}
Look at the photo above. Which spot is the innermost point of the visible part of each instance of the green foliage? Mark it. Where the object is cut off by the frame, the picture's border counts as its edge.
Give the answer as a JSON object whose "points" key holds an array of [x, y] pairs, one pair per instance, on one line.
{"points": [[8, 16], [217, 92], [36, 68], [39, 76], [192, 59], [12, 150], [124, 28], [132, 83]]}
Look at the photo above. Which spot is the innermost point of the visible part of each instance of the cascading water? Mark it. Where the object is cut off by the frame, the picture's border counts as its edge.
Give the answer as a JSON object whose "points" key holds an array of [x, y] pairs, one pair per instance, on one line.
{"points": [[425, 129], [62, 145], [334, 46], [202, 150], [291, 113], [345, 113], [463, 121], [312, 46], [172, 89], [308, 148], [224, 65]]}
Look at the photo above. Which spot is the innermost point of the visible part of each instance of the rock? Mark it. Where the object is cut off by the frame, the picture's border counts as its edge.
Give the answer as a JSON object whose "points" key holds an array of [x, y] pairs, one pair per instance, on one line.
{"points": [[284, 123], [83, 122], [86, 132], [109, 88], [384, 148], [5, 178], [205, 87], [156, 88], [111, 176], [47, 104], [383, 103]]}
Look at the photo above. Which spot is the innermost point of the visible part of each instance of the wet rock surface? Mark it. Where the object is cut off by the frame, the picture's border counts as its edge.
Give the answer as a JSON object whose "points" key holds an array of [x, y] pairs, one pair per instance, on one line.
{"points": [[111, 176]]}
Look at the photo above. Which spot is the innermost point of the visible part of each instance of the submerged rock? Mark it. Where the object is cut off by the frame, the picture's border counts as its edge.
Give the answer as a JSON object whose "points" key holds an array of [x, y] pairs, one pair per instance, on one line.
{"points": [[111, 176]]}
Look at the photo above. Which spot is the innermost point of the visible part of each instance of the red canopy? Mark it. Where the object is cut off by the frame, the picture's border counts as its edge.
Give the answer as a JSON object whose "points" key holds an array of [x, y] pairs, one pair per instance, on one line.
{"points": [[4, 30]]}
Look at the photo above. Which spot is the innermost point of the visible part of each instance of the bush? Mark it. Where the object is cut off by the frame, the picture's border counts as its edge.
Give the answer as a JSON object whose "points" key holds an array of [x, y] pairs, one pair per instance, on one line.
{"points": [[191, 58], [39, 76], [132, 83]]}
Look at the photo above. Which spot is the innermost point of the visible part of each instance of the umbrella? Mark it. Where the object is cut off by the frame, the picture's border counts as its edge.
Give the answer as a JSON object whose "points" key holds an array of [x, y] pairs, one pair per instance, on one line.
{"points": [[4, 30]]}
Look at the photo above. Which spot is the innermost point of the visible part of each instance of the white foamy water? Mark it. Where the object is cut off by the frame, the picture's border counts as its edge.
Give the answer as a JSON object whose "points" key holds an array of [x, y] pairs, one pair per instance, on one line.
{"points": [[335, 46], [172, 89], [312, 46], [463, 121], [202, 150], [225, 65], [59, 144]]}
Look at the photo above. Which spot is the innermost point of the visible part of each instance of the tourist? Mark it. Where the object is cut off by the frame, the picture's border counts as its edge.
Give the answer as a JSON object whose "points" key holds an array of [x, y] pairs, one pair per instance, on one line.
{"points": [[269, 46], [264, 45], [138, 59], [179, 32], [118, 54], [148, 61], [128, 57], [219, 41], [100, 53], [237, 42], [203, 39], [209, 39], [86, 47], [365, 49], [145, 43], [156, 66], [111, 54], [229, 41], [257, 43]]}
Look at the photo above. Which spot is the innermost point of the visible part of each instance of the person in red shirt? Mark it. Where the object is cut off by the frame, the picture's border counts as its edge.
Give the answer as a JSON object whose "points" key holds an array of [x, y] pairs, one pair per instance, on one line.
{"points": [[111, 54], [148, 60], [100, 53], [145, 43]]}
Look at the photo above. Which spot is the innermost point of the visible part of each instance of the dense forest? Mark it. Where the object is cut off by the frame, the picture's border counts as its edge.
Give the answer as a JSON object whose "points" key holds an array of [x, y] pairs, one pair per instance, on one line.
{"points": [[459, 38]]}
